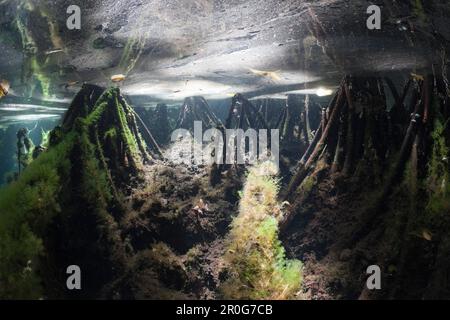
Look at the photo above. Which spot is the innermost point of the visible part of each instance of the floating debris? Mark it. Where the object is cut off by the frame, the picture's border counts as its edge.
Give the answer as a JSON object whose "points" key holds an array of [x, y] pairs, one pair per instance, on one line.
{"points": [[49, 52]]}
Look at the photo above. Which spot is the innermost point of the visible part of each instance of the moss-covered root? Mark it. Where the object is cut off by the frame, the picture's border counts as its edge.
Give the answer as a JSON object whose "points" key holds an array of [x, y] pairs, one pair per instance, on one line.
{"points": [[82, 105], [63, 206], [113, 127], [255, 257]]}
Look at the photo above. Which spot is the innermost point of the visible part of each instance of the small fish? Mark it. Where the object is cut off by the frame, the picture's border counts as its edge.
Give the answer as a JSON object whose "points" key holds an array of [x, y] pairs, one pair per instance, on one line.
{"points": [[272, 75], [118, 78], [4, 88], [427, 235], [70, 84], [417, 76]]}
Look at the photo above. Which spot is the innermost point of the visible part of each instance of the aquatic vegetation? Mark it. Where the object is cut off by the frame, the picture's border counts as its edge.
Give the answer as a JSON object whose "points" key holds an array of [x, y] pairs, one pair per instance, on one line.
{"points": [[438, 168], [46, 191], [255, 256], [307, 184], [82, 105], [33, 64], [418, 10], [45, 138], [26, 208], [114, 130]]}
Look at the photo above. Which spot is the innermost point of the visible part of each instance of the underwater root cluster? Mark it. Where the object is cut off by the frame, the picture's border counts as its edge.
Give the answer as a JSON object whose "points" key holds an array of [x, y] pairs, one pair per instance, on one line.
{"points": [[64, 207], [373, 189]]}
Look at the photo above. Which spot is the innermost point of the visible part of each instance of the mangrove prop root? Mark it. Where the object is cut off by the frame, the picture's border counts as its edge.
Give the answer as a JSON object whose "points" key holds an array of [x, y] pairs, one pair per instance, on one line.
{"points": [[243, 115], [154, 147], [197, 109], [399, 166], [303, 168], [350, 140]]}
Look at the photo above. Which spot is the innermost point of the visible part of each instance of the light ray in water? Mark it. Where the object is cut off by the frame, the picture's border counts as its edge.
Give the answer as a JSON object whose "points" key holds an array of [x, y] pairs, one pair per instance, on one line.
{"points": [[13, 107], [28, 117]]}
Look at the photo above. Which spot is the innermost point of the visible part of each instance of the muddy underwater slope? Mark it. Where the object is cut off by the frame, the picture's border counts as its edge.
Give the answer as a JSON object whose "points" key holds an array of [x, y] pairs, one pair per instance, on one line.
{"points": [[370, 188]]}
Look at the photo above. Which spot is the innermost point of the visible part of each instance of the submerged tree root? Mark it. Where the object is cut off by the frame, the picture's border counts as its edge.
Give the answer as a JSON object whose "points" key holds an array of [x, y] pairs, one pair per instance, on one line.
{"points": [[71, 201]]}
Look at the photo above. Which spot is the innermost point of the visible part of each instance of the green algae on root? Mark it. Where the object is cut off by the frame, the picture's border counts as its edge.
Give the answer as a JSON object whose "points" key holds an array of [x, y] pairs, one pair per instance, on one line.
{"points": [[64, 206], [255, 256]]}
